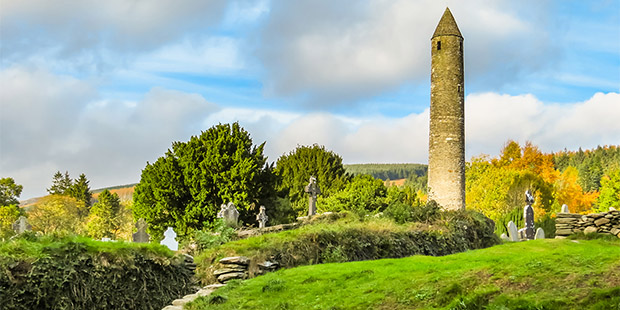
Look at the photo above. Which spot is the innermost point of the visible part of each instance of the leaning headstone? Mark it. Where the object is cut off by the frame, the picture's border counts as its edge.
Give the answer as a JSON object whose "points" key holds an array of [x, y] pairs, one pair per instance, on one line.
{"points": [[21, 225], [528, 216], [313, 190], [170, 239], [564, 209], [141, 235], [522, 236], [540, 234], [230, 215], [262, 217], [504, 237], [512, 231]]}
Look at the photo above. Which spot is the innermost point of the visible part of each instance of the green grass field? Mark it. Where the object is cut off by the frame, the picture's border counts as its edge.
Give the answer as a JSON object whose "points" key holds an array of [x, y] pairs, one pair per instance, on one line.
{"points": [[540, 274]]}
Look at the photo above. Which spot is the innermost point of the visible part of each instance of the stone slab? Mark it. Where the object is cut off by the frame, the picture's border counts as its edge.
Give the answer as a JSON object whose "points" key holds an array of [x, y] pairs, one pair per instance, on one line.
{"points": [[228, 270], [601, 221], [230, 276], [564, 232], [213, 286], [590, 230], [566, 220], [235, 260], [567, 215]]}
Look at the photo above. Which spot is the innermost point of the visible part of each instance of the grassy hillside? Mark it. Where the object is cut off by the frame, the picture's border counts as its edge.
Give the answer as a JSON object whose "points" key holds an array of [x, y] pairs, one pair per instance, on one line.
{"points": [[540, 274], [345, 237], [124, 192]]}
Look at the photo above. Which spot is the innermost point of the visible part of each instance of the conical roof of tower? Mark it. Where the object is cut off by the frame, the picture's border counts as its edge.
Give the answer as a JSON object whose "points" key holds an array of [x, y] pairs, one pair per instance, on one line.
{"points": [[447, 26]]}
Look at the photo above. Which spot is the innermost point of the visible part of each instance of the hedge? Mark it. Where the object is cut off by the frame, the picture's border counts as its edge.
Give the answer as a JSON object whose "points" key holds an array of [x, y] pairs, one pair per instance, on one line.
{"points": [[77, 273]]}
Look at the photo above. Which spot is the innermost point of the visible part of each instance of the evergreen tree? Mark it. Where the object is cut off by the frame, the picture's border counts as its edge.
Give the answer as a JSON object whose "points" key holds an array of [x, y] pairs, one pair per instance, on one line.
{"points": [[60, 184], [80, 190], [104, 219], [295, 169], [186, 187]]}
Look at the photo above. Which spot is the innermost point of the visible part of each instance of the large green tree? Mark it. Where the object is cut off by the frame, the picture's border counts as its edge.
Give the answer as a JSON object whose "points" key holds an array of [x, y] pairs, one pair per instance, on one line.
{"points": [[185, 188], [80, 190], [9, 192], [60, 183], [57, 213], [295, 169], [610, 191], [104, 219], [9, 205]]}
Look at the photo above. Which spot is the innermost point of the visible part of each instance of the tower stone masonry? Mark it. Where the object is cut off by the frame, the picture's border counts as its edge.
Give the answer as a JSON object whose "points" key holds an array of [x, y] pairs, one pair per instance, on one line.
{"points": [[446, 153]]}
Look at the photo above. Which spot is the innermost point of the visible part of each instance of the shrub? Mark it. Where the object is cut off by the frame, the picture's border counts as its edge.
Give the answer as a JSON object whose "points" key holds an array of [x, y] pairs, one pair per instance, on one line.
{"points": [[218, 234], [403, 213], [73, 273], [363, 194]]}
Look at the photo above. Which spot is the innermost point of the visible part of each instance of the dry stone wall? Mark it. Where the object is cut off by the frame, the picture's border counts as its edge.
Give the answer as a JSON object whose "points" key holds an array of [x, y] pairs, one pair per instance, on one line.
{"points": [[603, 223]]}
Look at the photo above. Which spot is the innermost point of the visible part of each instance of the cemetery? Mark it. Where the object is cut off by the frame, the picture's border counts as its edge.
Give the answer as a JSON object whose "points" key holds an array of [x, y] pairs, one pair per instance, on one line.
{"points": [[213, 225]]}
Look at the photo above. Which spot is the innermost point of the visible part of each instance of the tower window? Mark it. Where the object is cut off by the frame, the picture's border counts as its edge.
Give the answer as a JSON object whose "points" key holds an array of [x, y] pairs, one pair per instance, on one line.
{"points": [[461, 46], [438, 45], [459, 88]]}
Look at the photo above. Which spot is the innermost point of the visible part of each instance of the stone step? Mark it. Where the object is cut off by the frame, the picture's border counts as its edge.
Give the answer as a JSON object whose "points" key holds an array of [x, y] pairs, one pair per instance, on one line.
{"points": [[235, 260]]}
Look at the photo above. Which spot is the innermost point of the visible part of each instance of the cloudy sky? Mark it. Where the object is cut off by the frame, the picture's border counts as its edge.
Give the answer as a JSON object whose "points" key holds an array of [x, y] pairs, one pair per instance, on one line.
{"points": [[102, 87]]}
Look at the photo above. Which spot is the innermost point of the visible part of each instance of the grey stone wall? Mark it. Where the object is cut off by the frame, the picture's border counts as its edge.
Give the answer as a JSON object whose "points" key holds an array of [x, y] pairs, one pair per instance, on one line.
{"points": [[604, 223], [446, 160]]}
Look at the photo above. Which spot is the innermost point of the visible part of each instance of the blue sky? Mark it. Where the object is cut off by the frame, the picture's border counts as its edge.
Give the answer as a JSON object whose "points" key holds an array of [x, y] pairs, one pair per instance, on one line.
{"points": [[102, 87]]}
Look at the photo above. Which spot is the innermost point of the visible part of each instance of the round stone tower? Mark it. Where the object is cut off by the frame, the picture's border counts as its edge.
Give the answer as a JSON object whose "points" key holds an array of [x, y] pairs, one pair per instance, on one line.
{"points": [[446, 153]]}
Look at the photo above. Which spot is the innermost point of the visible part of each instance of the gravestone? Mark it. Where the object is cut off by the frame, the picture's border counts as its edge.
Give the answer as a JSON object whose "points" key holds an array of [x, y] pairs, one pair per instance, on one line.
{"points": [[262, 217], [230, 215], [313, 190], [21, 225], [106, 239], [540, 234], [512, 231], [141, 235], [170, 239], [528, 216], [564, 209]]}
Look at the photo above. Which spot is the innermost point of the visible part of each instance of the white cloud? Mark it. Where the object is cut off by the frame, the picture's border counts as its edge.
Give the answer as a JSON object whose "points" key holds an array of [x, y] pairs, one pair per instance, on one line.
{"points": [[50, 122], [97, 33], [54, 123], [336, 52], [492, 119], [213, 55]]}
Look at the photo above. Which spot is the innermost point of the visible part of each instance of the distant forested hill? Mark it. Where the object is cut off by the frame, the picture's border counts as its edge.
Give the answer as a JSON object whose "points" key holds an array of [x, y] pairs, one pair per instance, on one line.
{"points": [[591, 164], [388, 171]]}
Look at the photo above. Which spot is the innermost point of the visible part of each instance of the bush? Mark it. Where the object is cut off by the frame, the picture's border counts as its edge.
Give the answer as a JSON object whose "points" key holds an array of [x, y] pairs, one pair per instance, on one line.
{"points": [[74, 273], [363, 194], [403, 213], [218, 234]]}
